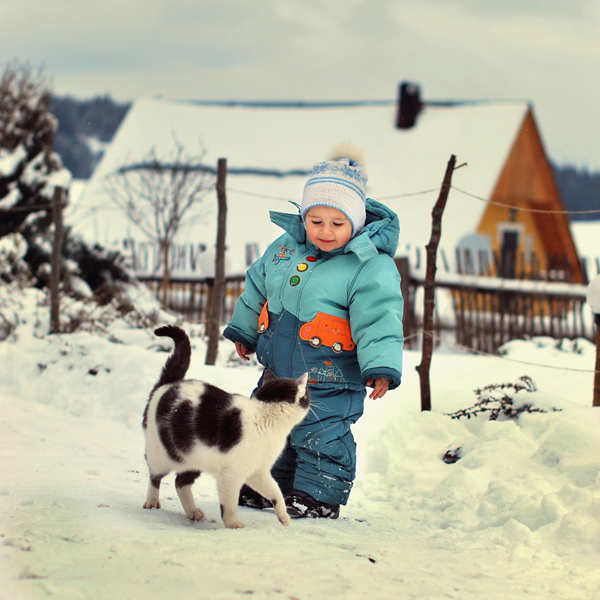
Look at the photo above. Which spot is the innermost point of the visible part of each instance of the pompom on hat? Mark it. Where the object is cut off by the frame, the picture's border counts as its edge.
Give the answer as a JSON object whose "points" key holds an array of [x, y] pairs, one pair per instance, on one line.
{"points": [[339, 183]]}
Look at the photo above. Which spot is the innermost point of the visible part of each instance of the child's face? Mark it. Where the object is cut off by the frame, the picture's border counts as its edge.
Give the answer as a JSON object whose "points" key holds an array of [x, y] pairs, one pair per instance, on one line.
{"points": [[327, 228]]}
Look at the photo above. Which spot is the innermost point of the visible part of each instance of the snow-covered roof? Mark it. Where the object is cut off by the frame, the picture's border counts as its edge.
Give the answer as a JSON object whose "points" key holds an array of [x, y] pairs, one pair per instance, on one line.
{"points": [[400, 163], [586, 235]]}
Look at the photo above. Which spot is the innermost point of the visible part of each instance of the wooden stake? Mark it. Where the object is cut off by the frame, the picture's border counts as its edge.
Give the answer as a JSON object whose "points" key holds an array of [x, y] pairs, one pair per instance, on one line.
{"points": [[213, 323], [57, 202], [429, 286]]}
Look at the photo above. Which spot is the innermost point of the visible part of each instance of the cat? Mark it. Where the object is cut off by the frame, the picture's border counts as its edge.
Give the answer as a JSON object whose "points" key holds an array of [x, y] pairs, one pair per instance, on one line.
{"points": [[192, 426]]}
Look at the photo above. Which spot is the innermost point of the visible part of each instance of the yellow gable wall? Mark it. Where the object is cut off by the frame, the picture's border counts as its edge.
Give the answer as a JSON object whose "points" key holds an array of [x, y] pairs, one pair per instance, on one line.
{"points": [[527, 181]]}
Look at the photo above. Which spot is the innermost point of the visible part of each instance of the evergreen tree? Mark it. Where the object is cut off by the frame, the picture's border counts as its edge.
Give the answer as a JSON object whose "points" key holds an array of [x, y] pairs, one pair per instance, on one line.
{"points": [[29, 169]]}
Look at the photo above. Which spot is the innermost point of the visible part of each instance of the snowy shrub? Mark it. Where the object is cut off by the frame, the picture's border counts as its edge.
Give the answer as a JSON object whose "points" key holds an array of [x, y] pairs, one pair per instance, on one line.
{"points": [[13, 248], [133, 307], [30, 171], [93, 316], [497, 400], [102, 270]]}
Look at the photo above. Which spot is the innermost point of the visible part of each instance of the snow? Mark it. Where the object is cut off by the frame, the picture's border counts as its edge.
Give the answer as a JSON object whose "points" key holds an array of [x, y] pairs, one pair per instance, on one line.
{"points": [[9, 161], [61, 178], [35, 172], [401, 164], [586, 235], [503, 284], [96, 145], [13, 196], [518, 516], [593, 295]]}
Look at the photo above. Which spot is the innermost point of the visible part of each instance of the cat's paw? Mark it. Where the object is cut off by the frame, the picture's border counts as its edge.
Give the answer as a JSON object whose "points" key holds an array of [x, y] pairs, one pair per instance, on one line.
{"points": [[284, 519], [152, 504], [234, 525], [196, 515]]}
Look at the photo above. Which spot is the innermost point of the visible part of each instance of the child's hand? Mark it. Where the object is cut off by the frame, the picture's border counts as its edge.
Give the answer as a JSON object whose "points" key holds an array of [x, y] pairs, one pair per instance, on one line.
{"points": [[242, 351], [380, 388]]}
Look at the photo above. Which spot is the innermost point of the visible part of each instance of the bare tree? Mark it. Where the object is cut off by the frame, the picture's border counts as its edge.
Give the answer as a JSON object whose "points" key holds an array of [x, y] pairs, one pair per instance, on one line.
{"points": [[156, 194]]}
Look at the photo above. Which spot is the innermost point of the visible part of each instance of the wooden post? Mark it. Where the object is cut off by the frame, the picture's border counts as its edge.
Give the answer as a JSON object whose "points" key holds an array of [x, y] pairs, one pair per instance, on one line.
{"points": [[213, 322], [429, 286], [57, 203]]}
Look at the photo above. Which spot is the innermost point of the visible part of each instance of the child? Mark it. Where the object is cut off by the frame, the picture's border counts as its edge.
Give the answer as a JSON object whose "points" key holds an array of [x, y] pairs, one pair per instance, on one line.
{"points": [[325, 299]]}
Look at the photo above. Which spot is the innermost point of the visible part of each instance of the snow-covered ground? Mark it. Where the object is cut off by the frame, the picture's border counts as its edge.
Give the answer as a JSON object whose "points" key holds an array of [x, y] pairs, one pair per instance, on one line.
{"points": [[518, 516]]}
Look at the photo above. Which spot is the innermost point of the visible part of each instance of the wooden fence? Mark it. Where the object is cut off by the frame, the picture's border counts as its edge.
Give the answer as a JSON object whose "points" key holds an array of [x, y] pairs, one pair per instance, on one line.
{"points": [[484, 313], [191, 297], [481, 313]]}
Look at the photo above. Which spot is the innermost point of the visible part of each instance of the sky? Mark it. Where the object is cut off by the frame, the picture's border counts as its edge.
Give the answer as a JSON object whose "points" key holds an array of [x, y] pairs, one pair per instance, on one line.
{"points": [[543, 51]]}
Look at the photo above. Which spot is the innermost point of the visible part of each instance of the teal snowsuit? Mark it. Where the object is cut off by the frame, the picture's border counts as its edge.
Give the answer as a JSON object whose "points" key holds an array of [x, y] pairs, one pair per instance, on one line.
{"points": [[336, 315]]}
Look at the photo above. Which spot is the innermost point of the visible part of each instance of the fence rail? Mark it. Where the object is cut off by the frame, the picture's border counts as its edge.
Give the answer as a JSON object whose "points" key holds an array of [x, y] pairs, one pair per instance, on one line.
{"points": [[481, 313]]}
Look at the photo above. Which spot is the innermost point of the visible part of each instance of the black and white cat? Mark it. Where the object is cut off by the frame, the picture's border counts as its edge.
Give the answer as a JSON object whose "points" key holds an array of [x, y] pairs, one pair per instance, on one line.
{"points": [[192, 426]]}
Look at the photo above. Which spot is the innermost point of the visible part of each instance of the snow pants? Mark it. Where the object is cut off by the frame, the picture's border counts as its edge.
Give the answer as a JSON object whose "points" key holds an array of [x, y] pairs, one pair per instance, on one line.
{"points": [[320, 454]]}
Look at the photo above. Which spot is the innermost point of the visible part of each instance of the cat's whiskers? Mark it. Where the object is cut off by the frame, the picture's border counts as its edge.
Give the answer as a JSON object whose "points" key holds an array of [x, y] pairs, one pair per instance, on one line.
{"points": [[320, 406]]}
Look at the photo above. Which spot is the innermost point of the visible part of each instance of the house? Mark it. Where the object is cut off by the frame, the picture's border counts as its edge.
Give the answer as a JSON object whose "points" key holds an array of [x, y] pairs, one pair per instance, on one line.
{"points": [[271, 147], [524, 220]]}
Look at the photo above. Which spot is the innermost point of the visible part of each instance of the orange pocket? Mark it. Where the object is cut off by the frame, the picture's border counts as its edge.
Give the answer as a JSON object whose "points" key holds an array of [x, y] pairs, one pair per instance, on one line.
{"points": [[263, 320], [328, 331]]}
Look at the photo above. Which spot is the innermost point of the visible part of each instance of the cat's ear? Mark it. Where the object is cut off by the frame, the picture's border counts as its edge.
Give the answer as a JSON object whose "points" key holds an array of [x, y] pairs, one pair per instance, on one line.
{"points": [[302, 381], [268, 376]]}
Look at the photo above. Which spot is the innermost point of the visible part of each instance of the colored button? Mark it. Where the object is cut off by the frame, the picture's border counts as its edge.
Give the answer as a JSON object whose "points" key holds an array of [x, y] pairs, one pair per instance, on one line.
{"points": [[295, 280], [311, 259], [302, 267]]}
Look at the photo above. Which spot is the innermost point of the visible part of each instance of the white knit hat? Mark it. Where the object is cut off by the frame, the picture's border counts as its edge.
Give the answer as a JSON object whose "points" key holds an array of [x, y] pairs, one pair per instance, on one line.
{"points": [[340, 184]]}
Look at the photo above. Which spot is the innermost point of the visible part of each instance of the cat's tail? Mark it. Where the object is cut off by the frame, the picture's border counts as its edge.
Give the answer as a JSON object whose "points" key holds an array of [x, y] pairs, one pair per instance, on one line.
{"points": [[178, 363]]}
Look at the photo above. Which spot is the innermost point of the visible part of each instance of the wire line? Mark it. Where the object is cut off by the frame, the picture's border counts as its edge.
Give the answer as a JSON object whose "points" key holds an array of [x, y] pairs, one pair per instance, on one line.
{"points": [[522, 208], [481, 352]]}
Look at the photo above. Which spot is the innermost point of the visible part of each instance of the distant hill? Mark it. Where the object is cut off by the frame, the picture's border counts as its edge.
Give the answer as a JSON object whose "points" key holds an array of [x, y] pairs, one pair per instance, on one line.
{"points": [[85, 126], [580, 190]]}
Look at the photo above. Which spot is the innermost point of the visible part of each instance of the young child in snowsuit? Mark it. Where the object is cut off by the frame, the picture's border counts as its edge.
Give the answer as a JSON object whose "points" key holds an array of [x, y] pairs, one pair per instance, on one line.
{"points": [[325, 299]]}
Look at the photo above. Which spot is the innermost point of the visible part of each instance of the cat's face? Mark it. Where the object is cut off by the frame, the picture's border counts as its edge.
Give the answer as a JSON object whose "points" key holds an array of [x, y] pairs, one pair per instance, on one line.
{"points": [[292, 391]]}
